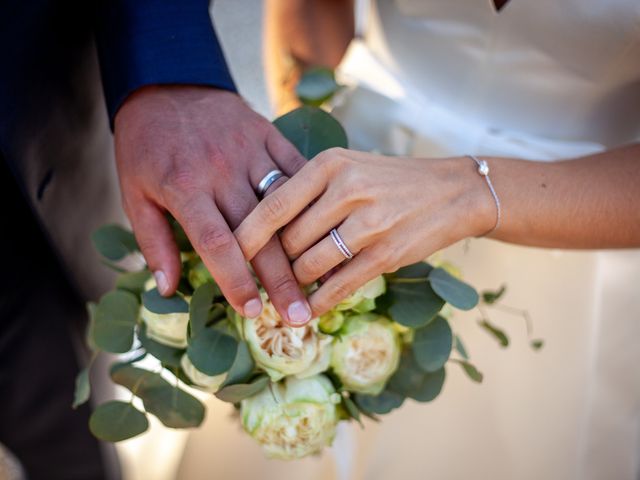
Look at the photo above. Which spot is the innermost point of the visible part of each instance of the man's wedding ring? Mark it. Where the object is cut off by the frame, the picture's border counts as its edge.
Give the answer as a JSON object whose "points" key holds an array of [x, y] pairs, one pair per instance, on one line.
{"points": [[268, 180], [337, 239]]}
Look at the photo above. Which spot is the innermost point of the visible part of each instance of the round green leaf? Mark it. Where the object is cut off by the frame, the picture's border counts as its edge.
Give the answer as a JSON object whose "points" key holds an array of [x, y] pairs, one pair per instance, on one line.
{"points": [[454, 291], [212, 352], [133, 281], [156, 303], [167, 355], [242, 367], [83, 388], [115, 421], [432, 344], [415, 270], [379, 404], [174, 407], [199, 307], [413, 382], [115, 320], [240, 391], [114, 242], [414, 304], [316, 86], [311, 130]]}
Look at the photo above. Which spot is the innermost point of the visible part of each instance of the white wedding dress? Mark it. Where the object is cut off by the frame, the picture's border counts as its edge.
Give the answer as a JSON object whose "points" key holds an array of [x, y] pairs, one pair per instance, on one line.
{"points": [[541, 80]]}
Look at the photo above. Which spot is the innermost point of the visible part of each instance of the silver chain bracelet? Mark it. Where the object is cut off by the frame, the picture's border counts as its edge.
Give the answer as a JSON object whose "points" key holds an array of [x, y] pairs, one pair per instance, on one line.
{"points": [[483, 170]]}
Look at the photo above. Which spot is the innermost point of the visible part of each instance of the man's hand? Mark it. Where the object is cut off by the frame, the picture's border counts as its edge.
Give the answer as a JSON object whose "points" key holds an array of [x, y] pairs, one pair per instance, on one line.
{"points": [[199, 153]]}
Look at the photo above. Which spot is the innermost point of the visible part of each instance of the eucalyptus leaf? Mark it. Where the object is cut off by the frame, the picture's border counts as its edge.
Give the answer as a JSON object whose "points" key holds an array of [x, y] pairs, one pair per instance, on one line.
{"points": [[167, 355], [156, 303], [133, 281], [174, 407], [414, 304], [316, 86], [83, 388], [495, 332], [242, 366], [456, 292], [380, 404], [212, 352], [115, 319], [199, 307], [432, 344], [114, 242], [537, 344], [471, 371], [490, 297], [240, 391], [413, 382], [415, 270], [115, 421], [311, 130], [460, 348]]}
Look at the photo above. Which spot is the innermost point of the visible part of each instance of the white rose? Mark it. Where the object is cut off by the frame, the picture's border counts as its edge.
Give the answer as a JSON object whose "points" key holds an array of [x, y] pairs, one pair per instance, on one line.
{"points": [[168, 328], [281, 350], [367, 353], [292, 418], [363, 299], [201, 380]]}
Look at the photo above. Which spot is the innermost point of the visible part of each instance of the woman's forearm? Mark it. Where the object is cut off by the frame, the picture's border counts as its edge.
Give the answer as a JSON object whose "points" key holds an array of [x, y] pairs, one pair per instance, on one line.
{"points": [[299, 34], [591, 202]]}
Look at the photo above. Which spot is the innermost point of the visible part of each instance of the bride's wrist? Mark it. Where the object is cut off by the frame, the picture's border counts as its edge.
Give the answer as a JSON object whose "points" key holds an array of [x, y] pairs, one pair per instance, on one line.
{"points": [[477, 207]]}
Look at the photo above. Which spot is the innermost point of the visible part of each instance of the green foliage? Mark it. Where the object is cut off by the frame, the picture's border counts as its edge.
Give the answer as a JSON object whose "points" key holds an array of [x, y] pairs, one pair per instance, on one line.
{"points": [[114, 242], [537, 344], [490, 297], [115, 318], [432, 344], [184, 245], [495, 332], [452, 290], [174, 407], [169, 356], [414, 303], [156, 303], [115, 421], [351, 408], [471, 371], [83, 388], [413, 382], [199, 307], [459, 347], [242, 366], [311, 130], [316, 86], [240, 391], [212, 352], [133, 281], [380, 404]]}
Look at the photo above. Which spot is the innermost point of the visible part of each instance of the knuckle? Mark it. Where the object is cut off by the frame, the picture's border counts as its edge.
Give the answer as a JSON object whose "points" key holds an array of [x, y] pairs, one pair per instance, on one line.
{"points": [[283, 283], [308, 268], [215, 241], [178, 180], [339, 290], [238, 289], [289, 244], [273, 208]]}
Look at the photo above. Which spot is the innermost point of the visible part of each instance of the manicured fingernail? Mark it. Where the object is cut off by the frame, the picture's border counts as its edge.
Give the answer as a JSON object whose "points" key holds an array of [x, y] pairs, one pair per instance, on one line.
{"points": [[253, 308], [161, 282], [299, 313]]}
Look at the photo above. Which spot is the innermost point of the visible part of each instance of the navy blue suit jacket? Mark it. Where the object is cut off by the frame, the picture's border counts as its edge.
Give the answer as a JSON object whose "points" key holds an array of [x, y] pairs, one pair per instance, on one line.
{"points": [[66, 66]]}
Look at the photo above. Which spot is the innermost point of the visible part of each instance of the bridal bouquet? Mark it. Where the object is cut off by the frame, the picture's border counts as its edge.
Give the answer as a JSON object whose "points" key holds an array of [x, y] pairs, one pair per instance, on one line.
{"points": [[391, 340]]}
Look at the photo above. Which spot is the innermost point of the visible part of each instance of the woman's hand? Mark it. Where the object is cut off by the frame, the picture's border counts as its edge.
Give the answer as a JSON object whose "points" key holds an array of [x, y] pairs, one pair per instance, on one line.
{"points": [[389, 211]]}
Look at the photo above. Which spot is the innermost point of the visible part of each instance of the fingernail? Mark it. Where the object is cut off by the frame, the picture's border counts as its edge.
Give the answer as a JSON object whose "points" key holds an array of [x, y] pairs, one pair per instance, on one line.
{"points": [[161, 281], [299, 313], [252, 308]]}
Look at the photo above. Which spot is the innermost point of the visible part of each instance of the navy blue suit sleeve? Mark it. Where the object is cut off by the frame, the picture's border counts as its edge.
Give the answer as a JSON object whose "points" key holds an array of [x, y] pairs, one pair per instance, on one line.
{"points": [[150, 42]]}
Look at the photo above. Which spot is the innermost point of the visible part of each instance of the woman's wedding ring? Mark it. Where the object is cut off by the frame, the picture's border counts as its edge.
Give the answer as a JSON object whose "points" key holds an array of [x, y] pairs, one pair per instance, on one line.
{"points": [[337, 239]]}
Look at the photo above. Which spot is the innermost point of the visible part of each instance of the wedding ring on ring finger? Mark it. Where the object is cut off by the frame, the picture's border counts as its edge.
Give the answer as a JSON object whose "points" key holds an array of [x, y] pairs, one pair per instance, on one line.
{"points": [[337, 239], [269, 179]]}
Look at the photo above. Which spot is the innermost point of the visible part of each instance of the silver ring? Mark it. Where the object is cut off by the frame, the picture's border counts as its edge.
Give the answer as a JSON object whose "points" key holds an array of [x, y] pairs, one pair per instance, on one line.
{"points": [[337, 239], [268, 180]]}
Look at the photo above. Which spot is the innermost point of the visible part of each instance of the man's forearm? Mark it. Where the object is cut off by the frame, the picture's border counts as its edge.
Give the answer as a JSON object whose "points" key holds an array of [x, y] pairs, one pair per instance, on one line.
{"points": [[303, 33]]}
